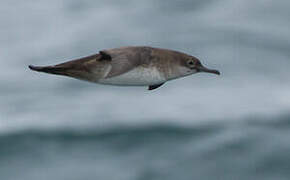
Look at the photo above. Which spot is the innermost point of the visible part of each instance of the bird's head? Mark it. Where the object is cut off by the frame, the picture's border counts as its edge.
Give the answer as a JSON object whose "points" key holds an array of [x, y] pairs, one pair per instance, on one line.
{"points": [[193, 65]]}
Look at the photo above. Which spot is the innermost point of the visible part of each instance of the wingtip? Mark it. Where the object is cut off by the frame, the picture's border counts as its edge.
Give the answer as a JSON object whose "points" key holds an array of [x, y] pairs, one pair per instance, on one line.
{"points": [[34, 68], [30, 67]]}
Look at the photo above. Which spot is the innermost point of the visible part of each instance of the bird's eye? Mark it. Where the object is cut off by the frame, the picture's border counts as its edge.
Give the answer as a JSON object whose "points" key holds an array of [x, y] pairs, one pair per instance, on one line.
{"points": [[190, 63]]}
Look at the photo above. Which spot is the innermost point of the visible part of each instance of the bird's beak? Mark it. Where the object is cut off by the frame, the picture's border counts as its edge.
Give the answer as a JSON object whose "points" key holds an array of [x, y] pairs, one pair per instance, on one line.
{"points": [[204, 69]]}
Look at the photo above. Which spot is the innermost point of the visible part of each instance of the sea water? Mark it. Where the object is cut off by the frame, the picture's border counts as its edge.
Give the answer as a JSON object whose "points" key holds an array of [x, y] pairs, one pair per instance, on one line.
{"points": [[233, 126]]}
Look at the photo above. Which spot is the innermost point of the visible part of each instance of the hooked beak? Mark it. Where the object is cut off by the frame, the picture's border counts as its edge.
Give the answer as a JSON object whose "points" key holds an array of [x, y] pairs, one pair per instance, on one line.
{"points": [[204, 69]]}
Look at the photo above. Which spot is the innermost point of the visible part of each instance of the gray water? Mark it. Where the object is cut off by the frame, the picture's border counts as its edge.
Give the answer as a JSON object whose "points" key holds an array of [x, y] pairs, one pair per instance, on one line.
{"points": [[233, 126]]}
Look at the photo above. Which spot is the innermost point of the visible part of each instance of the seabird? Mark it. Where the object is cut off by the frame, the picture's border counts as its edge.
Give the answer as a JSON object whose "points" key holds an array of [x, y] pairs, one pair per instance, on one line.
{"points": [[130, 66]]}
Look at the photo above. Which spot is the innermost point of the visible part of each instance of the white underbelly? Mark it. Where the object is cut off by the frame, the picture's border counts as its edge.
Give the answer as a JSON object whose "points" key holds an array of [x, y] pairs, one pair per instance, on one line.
{"points": [[137, 77]]}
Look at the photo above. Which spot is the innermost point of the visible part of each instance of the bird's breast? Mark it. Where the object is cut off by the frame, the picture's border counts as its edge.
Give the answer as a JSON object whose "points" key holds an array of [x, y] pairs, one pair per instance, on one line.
{"points": [[139, 76]]}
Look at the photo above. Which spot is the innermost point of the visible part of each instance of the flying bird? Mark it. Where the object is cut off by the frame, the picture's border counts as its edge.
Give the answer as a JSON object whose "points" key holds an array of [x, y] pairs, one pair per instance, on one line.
{"points": [[130, 66]]}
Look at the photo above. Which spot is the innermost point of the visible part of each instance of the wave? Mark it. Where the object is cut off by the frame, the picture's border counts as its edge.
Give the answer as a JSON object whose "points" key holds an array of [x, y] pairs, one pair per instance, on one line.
{"points": [[162, 130], [94, 134]]}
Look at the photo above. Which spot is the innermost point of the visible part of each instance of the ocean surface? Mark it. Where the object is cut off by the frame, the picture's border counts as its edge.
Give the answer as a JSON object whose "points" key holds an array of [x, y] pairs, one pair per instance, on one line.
{"points": [[230, 127]]}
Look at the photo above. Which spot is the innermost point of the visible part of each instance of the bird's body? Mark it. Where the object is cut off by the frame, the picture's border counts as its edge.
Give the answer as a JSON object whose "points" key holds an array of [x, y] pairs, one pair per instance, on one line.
{"points": [[140, 76], [129, 66]]}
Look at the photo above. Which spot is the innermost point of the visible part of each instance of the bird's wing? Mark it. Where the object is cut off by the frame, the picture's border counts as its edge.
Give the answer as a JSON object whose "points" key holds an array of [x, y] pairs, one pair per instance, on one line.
{"points": [[125, 59]]}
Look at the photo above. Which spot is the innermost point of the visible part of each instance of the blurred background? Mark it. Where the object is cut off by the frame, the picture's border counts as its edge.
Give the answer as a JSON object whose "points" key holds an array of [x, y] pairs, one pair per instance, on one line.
{"points": [[233, 126]]}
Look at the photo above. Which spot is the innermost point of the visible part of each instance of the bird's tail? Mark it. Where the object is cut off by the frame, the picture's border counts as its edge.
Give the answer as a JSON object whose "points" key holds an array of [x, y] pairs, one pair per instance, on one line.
{"points": [[50, 69], [79, 68]]}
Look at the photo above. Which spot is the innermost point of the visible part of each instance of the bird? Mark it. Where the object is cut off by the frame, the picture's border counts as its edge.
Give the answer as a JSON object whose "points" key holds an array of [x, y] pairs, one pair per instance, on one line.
{"points": [[130, 66]]}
